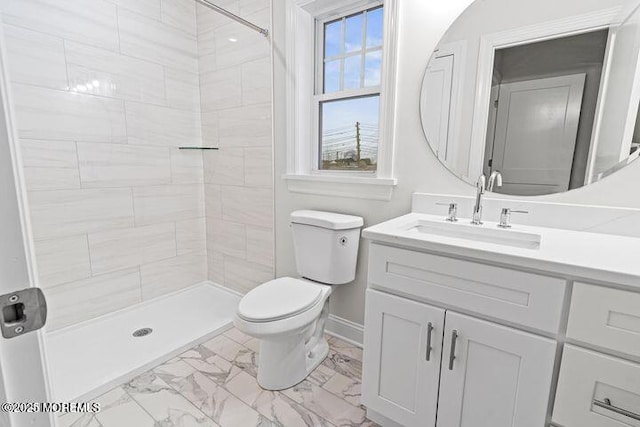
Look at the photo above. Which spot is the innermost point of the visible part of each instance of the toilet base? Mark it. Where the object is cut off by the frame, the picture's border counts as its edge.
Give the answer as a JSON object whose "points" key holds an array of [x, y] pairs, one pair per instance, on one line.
{"points": [[287, 360]]}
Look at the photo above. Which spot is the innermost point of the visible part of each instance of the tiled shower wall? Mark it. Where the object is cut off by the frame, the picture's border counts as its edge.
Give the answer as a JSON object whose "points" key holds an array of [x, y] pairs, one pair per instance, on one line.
{"points": [[235, 84], [104, 93]]}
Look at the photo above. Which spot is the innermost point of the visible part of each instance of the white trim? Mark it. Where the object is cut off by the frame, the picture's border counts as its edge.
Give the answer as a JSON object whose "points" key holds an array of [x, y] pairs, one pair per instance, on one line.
{"points": [[354, 187], [528, 34], [300, 109], [6, 97], [345, 330]]}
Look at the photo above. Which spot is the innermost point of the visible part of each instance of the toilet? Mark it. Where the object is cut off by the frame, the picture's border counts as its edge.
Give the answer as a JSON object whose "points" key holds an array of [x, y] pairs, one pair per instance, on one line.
{"points": [[288, 314]]}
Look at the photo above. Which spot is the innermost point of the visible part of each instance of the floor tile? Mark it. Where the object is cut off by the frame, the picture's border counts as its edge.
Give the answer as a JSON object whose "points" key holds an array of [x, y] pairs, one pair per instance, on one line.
{"points": [[326, 404], [164, 404], [214, 385], [346, 388]]}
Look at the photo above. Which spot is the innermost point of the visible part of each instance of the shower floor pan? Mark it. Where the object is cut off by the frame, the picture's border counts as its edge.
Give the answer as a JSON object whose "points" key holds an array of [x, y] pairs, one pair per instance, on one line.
{"points": [[90, 358]]}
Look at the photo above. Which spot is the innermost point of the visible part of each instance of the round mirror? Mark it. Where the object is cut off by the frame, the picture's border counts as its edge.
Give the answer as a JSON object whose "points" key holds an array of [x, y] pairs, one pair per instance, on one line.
{"points": [[543, 92]]}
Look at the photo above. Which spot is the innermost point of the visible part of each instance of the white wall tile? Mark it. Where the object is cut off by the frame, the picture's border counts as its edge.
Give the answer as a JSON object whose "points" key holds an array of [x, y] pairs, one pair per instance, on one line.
{"points": [[148, 8], [258, 167], [51, 114], [260, 245], [215, 266], [227, 237], [156, 125], [62, 260], [85, 299], [248, 205], [210, 128], [69, 19], [168, 203], [180, 14], [170, 275], [118, 76], [48, 154], [256, 81], [70, 212], [236, 45], [183, 89], [38, 179], [35, 58], [223, 89], [119, 249], [243, 275], [156, 41], [123, 165], [213, 201], [186, 167], [234, 131], [225, 166], [191, 236], [50, 165]]}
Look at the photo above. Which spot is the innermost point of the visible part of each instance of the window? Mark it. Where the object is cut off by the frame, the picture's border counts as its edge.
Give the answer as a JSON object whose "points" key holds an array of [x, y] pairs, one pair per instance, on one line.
{"points": [[347, 95]]}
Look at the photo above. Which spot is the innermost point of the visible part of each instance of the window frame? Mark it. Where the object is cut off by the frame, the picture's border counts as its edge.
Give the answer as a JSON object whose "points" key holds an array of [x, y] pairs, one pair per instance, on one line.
{"points": [[302, 107], [320, 97]]}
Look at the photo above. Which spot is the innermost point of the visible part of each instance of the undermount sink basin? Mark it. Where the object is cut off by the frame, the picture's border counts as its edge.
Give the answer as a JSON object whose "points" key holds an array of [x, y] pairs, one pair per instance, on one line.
{"points": [[479, 233]]}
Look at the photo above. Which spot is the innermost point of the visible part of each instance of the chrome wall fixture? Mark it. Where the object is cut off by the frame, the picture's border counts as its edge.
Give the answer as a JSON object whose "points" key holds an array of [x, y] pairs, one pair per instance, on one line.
{"points": [[233, 16]]}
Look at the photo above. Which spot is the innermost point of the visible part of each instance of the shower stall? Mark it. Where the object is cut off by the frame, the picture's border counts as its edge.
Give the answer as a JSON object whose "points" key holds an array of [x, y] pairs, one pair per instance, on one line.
{"points": [[138, 136]]}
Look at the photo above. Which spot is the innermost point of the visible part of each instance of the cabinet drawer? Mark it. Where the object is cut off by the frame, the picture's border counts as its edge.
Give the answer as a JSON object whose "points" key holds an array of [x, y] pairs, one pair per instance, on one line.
{"points": [[608, 318], [586, 378], [515, 296]]}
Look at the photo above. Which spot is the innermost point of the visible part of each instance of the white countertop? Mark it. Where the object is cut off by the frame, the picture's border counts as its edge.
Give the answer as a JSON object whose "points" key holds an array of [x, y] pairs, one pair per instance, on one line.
{"points": [[576, 255]]}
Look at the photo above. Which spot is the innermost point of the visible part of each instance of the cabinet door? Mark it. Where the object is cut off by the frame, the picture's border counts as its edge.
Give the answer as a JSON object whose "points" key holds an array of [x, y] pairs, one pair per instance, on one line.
{"points": [[400, 378], [493, 376]]}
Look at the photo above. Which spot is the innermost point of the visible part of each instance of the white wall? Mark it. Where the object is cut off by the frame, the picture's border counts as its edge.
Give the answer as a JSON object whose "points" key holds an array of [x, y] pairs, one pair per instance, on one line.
{"points": [[421, 25]]}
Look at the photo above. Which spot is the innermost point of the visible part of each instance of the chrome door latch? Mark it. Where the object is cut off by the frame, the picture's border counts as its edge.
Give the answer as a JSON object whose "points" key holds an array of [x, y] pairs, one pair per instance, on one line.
{"points": [[22, 312]]}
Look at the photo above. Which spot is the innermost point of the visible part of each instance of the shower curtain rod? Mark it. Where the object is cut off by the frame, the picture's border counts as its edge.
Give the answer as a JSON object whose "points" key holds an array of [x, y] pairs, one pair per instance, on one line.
{"points": [[233, 16]]}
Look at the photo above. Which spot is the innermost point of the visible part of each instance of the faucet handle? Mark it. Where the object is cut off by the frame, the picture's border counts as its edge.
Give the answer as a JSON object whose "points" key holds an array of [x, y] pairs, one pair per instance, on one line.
{"points": [[505, 217], [453, 211]]}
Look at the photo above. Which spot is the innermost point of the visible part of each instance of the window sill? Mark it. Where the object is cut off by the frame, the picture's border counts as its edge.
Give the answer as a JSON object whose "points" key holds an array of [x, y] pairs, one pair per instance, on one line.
{"points": [[342, 186]]}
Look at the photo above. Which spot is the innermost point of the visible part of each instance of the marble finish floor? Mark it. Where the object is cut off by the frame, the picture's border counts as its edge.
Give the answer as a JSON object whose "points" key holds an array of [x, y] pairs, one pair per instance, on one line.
{"points": [[214, 384]]}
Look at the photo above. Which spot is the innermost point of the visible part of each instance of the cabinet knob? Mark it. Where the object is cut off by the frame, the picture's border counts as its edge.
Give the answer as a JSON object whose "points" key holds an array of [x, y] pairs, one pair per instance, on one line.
{"points": [[452, 352]]}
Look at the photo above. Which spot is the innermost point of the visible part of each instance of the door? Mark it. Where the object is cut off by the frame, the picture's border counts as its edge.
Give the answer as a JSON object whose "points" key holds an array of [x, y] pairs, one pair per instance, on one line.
{"points": [[493, 376], [535, 136], [436, 105], [22, 367], [403, 345]]}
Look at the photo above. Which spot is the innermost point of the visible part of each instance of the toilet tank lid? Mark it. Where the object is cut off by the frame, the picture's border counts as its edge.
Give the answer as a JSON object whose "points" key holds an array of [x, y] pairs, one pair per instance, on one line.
{"points": [[329, 220]]}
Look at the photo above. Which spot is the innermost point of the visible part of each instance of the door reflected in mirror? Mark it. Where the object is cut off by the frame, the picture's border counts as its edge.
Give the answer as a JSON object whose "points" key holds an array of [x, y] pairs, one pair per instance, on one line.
{"points": [[546, 95]]}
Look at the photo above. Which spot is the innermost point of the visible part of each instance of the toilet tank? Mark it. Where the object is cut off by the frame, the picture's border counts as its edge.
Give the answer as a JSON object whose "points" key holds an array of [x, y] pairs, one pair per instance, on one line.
{"points": [[326, 245]]}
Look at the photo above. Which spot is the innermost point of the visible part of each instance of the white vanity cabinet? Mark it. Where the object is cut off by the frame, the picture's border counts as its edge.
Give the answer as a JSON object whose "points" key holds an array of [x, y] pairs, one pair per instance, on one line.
{"points": [[422, 361], [597, 389]]}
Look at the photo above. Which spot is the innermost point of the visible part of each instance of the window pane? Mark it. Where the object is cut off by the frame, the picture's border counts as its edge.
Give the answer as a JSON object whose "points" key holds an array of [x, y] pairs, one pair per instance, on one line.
{"points": [[349, 139], [332, 76], [352, 66], [353, 33], [333, 38], [374, 27], [372, 67]]}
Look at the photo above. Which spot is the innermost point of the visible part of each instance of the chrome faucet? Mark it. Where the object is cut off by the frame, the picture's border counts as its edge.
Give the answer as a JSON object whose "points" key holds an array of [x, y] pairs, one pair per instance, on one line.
{"points": [[495, 179], [481, 186]]}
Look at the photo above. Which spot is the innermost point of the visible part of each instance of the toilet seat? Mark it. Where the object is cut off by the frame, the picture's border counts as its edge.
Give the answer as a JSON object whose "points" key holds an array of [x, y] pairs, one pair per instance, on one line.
{"points": [[279, 299]]}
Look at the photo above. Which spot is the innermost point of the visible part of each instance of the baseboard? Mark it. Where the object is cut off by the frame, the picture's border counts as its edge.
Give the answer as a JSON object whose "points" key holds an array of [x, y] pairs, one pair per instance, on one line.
{"points": [[345, 330]]}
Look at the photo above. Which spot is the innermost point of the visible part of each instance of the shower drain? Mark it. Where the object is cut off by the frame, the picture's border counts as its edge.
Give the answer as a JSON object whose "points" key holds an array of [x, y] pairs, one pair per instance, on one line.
{"points": [[142, 332]]}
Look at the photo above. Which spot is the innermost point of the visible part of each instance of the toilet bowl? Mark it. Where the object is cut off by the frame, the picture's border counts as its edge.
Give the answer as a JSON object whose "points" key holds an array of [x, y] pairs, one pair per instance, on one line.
{"points": [[289, 314]]}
